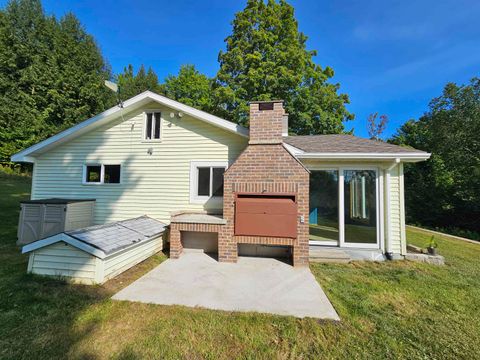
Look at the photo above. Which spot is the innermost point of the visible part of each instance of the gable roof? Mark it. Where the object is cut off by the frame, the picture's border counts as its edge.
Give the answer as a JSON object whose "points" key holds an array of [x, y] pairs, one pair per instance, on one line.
{"points": [[28, 155], [349, 147], [104, 240]]}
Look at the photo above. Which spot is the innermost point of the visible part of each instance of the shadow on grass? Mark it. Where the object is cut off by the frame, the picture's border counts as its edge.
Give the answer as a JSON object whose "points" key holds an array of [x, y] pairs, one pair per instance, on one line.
{"points": [[39, 315]]}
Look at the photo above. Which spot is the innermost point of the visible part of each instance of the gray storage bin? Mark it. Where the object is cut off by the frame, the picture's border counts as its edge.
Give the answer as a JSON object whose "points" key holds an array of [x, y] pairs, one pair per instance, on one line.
{"points": [[46, 217]]}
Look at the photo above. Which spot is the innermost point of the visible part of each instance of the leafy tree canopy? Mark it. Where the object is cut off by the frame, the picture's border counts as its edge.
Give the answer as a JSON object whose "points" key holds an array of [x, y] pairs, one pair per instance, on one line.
{"points": [[51, 75], [132, 84], [190, 87], [266, 58], [445, 190]]}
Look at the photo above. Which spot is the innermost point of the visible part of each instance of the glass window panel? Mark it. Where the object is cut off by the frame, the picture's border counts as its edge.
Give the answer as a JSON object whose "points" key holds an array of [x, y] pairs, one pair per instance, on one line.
{"points": [[157, 126], [148, 130], [323, 218], [360, 206], [217, 181], [112, 174], [203, 187], [93, 173]]}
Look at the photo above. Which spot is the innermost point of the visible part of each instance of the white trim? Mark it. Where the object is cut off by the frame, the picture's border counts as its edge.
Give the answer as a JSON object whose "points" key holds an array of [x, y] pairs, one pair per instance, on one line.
{"points": [[102, 174], [366, 156], [65, 238], [323, 243], [292, 149], [194, 165], [403, 235], [381, 195], [135, 102], [341, 208], [153, 112]]}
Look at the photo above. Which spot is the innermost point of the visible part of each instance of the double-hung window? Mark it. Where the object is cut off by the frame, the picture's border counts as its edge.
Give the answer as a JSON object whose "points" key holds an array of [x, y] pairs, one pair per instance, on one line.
{"points": [[206, 180], [153, 124], [101, 174]]}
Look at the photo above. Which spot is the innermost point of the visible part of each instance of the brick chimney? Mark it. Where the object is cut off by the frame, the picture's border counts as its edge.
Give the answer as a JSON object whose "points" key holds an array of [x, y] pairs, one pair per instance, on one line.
{"points": [[265, 191], [267, 120]]}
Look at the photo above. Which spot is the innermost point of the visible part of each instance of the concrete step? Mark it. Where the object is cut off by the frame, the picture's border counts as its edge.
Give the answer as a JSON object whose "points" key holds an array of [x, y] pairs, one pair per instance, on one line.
{"points": [[329, 256]]}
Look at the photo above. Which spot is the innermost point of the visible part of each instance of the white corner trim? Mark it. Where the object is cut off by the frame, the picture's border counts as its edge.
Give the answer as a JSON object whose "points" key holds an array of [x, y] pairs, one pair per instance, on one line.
{"points": [[65, 238], [28, 154]]}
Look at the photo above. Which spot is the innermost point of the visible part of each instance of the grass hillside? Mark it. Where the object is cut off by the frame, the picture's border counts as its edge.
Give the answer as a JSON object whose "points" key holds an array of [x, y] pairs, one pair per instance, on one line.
{"points": [[389, 310]]}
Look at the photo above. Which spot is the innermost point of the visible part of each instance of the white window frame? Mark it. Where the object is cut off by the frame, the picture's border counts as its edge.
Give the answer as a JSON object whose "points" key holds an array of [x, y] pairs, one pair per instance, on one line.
{"points": [[194, 165], [341, 207], [144, 131], [102, 174]]}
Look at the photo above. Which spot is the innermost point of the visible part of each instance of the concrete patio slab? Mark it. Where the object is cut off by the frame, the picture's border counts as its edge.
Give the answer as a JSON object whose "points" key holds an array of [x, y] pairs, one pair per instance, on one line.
{"points": [[253, 284]]}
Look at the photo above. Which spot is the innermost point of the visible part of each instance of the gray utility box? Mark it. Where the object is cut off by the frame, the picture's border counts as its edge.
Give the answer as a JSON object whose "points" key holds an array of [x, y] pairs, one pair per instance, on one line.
{"points": [[46, 217]]}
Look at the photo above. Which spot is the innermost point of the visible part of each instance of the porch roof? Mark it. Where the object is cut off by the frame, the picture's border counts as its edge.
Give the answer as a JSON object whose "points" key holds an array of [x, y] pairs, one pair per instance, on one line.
{"points": [[350, 147]]}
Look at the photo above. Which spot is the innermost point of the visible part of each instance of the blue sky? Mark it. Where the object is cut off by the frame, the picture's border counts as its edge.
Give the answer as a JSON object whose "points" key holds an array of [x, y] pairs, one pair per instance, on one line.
{"points": [[391, 57]]}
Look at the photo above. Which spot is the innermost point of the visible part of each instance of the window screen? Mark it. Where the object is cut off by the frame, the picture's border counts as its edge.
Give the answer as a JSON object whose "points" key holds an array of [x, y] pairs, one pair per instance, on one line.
{"points": [[217, 181], [93, 173], [203, 181], [156, 134], [149, 127], [112, 174]]}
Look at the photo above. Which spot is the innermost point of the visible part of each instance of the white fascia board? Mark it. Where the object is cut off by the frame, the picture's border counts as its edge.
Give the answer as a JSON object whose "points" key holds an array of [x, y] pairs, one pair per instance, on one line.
{"points": [[409, 157], [65, 238], [28, 154], [199, 114], [292, 149]]}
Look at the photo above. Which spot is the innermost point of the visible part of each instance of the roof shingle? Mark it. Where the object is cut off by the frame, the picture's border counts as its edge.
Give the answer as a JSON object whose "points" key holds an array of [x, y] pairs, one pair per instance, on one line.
{"points": [[345, 144]]}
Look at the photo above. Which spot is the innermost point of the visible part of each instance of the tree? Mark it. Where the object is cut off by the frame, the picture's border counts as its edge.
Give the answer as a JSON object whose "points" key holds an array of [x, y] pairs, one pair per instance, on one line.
{"points": [[132, 84], [376, 125], [266, 58], [190, 87], [445, 190], [51, 75]]}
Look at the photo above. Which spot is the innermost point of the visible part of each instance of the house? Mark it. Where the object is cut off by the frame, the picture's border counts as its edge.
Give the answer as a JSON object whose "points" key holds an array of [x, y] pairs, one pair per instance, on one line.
{"points": [[227, 189]]}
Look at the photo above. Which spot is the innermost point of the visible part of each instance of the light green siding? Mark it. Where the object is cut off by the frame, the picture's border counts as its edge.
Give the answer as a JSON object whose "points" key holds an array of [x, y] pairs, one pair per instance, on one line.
{"points": [[155, 184], [122, 261], [63, 260], [66, 261], [395, 210]]}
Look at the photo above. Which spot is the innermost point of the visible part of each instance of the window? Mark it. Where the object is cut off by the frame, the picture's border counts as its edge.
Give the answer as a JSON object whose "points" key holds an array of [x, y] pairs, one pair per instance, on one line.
{"points": [[101, 174], [112, 174], [345, 207], [93, 173], [152, 125], [206, 180]]}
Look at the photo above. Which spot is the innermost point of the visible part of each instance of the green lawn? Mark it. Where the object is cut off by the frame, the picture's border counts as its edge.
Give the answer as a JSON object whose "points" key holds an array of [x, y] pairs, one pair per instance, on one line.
{"points": [[389, 310]]}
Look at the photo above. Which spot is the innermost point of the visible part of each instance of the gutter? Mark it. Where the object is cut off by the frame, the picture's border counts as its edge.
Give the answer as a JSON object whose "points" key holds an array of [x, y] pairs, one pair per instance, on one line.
{"points": [[366, 156]]}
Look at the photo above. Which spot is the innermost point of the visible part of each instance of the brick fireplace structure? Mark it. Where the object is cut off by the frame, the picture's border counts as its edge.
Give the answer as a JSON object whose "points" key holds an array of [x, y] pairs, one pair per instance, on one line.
{"points": [[273, 187], [265, 195]]}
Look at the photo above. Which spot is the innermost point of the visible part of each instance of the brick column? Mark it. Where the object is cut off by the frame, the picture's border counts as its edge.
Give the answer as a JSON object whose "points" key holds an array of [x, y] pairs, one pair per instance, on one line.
{"points": [[175, 242]]}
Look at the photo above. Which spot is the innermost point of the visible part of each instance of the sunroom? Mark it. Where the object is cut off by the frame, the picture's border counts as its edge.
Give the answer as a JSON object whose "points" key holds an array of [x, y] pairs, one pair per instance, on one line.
{"points": [[356, 195]]}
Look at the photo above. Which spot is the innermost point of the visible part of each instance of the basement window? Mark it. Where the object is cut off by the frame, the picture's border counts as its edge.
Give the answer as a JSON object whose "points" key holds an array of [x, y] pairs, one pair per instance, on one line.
{"points": [[152, 128], [101, 174], [206, 181]]}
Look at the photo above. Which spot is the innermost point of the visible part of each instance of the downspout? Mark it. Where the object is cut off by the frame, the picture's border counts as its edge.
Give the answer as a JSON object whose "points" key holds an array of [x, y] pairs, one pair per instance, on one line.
{"points": [[388, 245]]}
